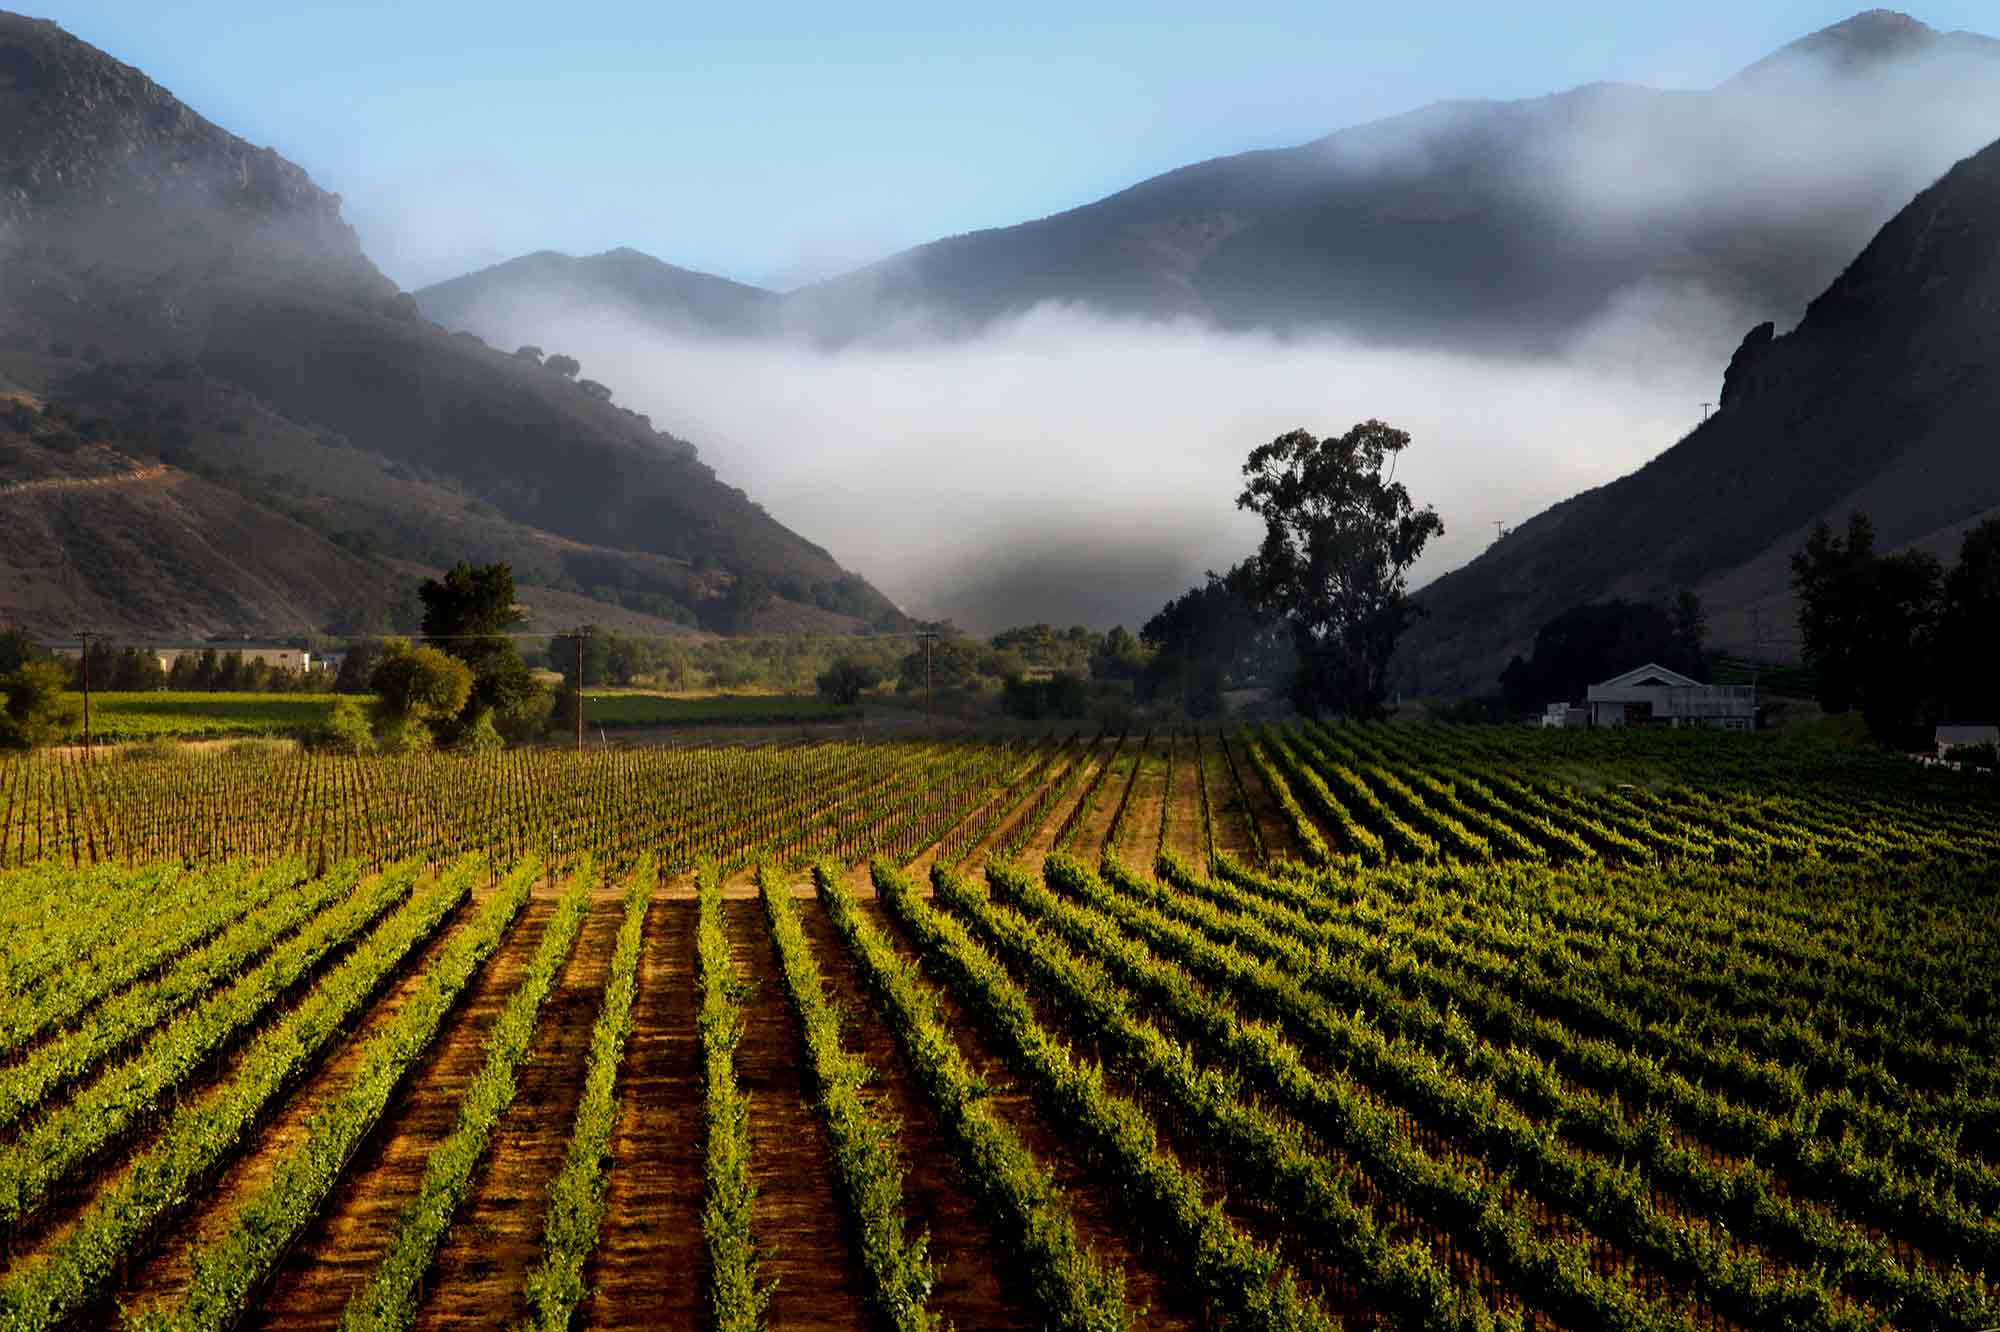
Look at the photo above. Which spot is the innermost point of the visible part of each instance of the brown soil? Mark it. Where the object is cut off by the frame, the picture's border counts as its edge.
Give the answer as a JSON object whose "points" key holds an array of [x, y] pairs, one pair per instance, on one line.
{"points": [[1255, 1217], [990, 847], [796, 1217], [1092, 831], [1232, 832], [481, 1273], [968, 1291], [1139, 837], [1186, 837], [1044, 840], [1277, 837], [646, 1272], [1148, 1291], [337, 1254]]}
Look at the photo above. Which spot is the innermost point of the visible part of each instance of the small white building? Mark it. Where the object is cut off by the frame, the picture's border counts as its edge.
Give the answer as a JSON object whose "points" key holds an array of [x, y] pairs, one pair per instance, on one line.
{"points": [[281, 658], [1961, 737], [1653, 695], [1560, 716]]}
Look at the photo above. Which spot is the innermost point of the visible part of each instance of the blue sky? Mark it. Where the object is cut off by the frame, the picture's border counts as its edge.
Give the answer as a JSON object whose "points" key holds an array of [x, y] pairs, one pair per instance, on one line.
{"points": [[776, 143]]}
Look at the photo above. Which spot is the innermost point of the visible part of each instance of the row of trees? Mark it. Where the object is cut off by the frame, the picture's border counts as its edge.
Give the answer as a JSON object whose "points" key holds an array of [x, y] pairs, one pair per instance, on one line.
{"points": [[1897, 637]]}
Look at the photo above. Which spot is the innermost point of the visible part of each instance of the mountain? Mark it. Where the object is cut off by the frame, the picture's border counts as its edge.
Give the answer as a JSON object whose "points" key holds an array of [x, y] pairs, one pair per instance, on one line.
{"points": [[1497, 227], [1882, 400], [622, 278], [178, 302]]}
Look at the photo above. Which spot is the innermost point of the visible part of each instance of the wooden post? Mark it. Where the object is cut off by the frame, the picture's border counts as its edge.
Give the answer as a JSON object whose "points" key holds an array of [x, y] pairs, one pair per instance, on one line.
{"points": [[86, 696]]}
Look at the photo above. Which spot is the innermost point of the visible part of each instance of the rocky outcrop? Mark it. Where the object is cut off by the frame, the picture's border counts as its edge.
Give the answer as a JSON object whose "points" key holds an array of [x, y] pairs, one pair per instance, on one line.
{"points": [[1736, 380], [97, 157]]}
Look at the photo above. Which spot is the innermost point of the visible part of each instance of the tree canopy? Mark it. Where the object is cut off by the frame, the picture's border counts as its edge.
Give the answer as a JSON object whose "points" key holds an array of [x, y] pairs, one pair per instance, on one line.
{"points": [[34, 710], [468, 614], [1866, 622], [1339, 539]]}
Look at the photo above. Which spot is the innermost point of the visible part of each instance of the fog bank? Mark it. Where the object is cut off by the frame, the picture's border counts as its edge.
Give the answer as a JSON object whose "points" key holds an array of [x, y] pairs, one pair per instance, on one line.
{"points": [[1066, 467]]}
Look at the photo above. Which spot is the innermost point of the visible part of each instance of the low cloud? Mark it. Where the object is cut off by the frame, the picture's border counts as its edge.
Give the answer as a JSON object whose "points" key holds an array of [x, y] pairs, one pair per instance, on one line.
{"points": [[1068, 467]]}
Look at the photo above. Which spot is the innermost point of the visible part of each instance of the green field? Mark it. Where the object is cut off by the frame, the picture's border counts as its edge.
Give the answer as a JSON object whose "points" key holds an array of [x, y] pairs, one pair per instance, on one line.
{"points": [[183, 715], [623, 709], [1302, 1026]]}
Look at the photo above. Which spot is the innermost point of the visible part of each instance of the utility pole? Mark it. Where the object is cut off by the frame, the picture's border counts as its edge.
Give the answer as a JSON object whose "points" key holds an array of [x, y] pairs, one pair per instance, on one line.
{"points": [[930, 637], [85, 638], [579, 689], [1705, 409]]}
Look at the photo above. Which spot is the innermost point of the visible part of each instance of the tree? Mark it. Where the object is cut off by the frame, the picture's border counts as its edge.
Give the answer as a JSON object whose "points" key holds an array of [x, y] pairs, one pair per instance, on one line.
{"points": [[566, 366], [953, 661], [1866, 623], [1339, 539], [596, 656], [467, 613], [1204, 640], [736, 609], [1967, 649], [1119, 657], [17, 648], [592, 388], [418, 683], [845, 679], [34, 710], [356, 666], [530, 353]]}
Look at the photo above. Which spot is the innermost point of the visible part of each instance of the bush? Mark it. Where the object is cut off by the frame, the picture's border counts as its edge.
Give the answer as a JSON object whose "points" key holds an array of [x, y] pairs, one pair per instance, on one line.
{"points": [[480, 736], [845, 679], [404, 735], [34, 710], [345, 730]]}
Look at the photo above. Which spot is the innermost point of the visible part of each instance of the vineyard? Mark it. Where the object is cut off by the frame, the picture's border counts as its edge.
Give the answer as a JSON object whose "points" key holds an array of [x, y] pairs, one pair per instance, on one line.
{"points": [[1299, 1026]]}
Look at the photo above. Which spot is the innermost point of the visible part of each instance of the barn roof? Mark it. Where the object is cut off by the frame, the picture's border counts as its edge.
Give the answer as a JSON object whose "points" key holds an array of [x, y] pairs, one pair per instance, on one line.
{"points": [[1650, 676]]}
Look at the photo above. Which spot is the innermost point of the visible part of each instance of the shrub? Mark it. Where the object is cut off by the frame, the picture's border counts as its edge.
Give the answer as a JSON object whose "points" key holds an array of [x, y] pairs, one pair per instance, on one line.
{"points": [[345, 730]]}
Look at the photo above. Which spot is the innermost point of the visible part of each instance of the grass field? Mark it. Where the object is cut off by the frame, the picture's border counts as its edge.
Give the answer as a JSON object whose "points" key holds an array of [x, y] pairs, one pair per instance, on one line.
{"points": [[1408, 1026], [167, 714], [624, 708], [170, 714]]}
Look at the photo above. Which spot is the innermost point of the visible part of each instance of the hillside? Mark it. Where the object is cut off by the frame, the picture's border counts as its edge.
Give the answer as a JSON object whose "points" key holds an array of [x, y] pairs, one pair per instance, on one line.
{"points": [[619, 279], [1882, 399], [190, 300], [1497, 227]]}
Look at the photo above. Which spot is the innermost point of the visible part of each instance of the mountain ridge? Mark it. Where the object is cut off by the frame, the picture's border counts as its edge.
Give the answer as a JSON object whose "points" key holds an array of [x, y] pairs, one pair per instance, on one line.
{"points": [[1878, 401], [1470, 224], [179, 295]]}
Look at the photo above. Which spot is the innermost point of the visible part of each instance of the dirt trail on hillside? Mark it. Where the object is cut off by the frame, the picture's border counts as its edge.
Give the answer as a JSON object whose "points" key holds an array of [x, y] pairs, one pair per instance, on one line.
{"points": [[153, 472]]}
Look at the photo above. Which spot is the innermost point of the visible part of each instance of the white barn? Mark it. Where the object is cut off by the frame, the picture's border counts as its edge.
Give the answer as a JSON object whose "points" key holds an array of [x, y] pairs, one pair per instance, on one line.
{"points": [[1654, 695]]}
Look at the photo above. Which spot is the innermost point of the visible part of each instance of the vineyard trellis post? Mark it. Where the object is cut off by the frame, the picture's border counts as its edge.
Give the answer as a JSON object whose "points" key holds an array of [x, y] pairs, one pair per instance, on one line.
{"points": [[930, 639], [579, 689], [84, 638]]}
